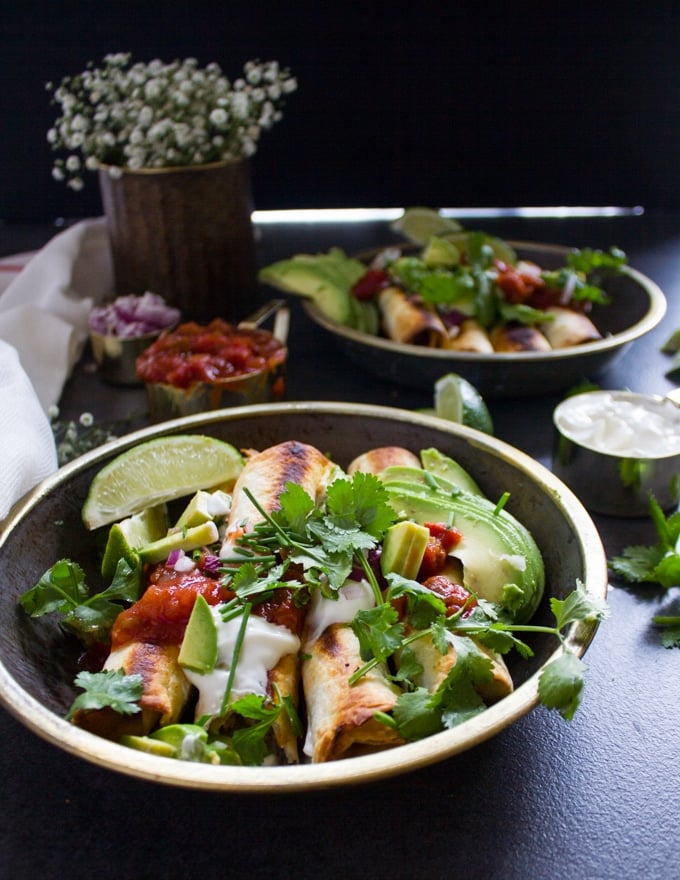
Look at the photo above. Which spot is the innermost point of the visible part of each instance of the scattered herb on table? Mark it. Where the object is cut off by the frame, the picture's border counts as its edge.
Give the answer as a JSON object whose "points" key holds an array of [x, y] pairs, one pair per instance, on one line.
{"points": [[658, 564]]}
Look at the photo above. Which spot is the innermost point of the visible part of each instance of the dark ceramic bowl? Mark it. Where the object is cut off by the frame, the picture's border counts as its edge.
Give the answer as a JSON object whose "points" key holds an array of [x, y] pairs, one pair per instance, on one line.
{"points": [[637, 306], [37, 662]]}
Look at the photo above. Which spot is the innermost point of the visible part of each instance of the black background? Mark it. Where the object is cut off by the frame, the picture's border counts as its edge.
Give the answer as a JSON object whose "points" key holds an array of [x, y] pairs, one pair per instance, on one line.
{"points": [[443, 104]]}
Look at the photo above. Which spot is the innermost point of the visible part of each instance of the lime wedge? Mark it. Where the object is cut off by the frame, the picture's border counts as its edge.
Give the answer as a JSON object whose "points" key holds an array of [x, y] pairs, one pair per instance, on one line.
{"points": [[158, 471], [419, 224], [457, 400]]}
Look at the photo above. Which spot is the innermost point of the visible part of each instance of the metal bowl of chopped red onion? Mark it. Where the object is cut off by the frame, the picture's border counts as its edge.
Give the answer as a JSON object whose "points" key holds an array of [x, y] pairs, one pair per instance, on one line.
{"points": [[121, 330]]}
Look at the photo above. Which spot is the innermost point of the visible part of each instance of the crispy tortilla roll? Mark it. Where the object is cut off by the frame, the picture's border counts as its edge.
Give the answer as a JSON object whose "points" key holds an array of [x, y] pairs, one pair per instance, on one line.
{"points": [[436, 666], [376, 460], [340, 716], [265, 475], [166, 690], [518, 337], [405, 321], [471, 337], [569, 328]]}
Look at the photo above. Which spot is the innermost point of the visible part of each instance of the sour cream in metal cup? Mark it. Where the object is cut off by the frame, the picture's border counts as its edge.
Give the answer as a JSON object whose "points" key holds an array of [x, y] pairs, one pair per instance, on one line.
{"points": [[616, 448]]}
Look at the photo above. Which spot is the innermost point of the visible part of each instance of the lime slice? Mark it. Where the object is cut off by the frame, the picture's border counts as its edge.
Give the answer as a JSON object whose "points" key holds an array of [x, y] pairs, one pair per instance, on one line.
{"points": [[157, 471], [419, 224], [457, 400]]}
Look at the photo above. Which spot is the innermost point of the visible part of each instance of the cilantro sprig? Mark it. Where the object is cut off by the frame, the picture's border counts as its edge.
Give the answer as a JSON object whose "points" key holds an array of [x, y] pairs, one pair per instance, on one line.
{"points": [[468, 631], [63, 590], [111, 688], [656, 564]]}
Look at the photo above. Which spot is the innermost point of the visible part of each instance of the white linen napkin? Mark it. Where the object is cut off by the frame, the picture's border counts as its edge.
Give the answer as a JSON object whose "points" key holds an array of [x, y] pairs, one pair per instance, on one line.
{"points": [[27, 450], [43, 328]]}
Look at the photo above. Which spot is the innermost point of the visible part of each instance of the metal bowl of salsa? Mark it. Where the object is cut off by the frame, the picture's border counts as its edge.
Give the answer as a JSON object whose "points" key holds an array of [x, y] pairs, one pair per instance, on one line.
{"points": [[196, 368]]}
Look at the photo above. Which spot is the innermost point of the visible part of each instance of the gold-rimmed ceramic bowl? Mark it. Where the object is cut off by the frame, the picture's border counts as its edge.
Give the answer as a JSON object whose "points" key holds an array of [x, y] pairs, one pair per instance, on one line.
{"points": [[637, 306], [37, 660]]}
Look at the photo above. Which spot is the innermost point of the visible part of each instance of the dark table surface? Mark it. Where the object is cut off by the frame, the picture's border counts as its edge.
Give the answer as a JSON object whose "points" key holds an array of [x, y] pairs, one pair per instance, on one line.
{"points": [[598, 797]]}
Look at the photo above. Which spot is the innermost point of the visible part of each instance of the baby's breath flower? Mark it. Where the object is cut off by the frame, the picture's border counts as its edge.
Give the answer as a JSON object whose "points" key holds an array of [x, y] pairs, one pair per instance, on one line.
{"points": [[157, 115]]}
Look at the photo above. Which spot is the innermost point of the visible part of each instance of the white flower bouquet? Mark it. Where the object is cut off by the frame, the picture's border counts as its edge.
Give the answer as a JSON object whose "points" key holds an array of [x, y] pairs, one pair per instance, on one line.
{"points": [[157, 115]]}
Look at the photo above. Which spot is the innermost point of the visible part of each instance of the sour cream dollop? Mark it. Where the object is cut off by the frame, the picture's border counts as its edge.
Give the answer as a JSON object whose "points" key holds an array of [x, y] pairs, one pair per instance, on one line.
{"points": [[621, 423]]}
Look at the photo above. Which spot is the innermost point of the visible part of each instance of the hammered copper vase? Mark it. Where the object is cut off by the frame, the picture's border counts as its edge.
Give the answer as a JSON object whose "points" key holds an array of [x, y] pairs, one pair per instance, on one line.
{"points": [[186, 234]]}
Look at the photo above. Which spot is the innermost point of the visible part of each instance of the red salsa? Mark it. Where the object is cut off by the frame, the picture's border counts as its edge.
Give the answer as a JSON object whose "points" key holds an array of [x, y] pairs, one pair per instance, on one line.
{"points": [[220, 351]]}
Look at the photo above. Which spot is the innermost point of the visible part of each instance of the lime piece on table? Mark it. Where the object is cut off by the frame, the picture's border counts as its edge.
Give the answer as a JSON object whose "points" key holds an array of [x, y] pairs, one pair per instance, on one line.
{"points": [[419, 224], [158, 471], [457, 400]]}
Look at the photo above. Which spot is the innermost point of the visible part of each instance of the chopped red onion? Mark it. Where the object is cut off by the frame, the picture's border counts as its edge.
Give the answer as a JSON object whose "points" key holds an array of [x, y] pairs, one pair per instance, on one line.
{"points": [[130, 316]]}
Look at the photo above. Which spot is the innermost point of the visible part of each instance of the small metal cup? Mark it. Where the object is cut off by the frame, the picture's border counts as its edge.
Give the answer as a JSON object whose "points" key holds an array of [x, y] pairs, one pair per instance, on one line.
{"points": [[613, 484], [116, 356]]}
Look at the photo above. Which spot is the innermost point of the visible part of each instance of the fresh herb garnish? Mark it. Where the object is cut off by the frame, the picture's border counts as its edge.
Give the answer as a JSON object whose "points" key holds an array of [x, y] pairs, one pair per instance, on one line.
{"points": [[109, 689], [419, 712], [63, 590], [657, 564]]}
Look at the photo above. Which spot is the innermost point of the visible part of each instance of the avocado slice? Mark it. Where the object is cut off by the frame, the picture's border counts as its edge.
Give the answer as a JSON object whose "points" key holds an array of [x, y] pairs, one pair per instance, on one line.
{"points": [[403, 549], [327, 279], [437, 463], [127, 536], [440, 252], [500, 558], [199, 646], [185, 539]]}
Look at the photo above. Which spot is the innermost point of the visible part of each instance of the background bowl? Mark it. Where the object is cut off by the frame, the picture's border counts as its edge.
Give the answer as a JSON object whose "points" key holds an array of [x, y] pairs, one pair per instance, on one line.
{"points": [[637, 306], [38, 663]]}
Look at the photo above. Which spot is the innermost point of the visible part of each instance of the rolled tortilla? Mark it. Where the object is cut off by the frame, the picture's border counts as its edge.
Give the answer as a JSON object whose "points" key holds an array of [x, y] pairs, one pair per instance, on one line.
{"points": [[266, 475], [405, 321], [341, 716], [436, 666], [471, 337], [518, 337], [145, 640], [569, 328], [374, 461]]}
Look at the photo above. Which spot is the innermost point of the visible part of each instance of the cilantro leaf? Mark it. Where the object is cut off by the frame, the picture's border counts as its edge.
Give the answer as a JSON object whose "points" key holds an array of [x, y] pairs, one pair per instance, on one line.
{"points": [[111, 688], [362, 503], [578, 605], [561, 683], [378, 631], [63, 590], [417, 714], [251, 742], [60, 589]]}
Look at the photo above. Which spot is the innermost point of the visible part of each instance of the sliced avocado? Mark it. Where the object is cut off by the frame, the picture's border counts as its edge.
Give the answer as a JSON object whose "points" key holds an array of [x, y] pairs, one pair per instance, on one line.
{"points": [[403, 549], [126, 537], [199, 646], [186, 539], [327, 279], [401, 473], [436, 462], [149, 744], [502, 250], [501, 561], [175, 734], [364, 316], [440, 252], [203, 506]]}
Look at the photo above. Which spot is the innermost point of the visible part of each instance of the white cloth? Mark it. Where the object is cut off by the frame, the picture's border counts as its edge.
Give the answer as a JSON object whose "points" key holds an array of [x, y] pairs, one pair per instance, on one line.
{"points": [[28, 453], [43, 328]]}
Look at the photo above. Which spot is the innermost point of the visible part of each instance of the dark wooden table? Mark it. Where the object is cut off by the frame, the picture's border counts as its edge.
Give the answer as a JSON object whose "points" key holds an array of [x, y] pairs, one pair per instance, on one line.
{"points": [[595, 798]]}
